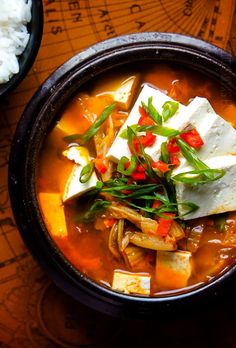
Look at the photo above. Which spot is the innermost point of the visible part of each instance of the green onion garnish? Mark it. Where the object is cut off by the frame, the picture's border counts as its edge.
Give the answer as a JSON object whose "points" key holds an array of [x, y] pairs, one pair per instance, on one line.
{"points": [[220, 221], [165, 157], [121, 165], [151, 111], [189, 208], [82, 139], [86, 173], [98, 207], [124, 133], [140, 157], [192, 157], [196, 177], [169, 108], [159, 130]]}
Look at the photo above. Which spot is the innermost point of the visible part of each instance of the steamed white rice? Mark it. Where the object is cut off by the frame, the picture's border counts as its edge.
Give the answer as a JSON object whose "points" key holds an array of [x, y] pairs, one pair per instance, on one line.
{"points": [[14, 16]]}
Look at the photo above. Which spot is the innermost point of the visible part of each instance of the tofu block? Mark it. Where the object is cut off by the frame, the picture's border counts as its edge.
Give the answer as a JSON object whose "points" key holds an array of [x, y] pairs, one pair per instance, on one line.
{"points": [[173, 269], [53, 212], [218, 135], [131, 283], [78, 154], [214, 197], [74, 188], [124, 94], [120, 147]]}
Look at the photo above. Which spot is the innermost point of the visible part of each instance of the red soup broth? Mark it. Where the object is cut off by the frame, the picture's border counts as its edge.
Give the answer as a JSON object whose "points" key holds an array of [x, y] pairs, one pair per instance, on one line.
{"points": [[86, 245]]}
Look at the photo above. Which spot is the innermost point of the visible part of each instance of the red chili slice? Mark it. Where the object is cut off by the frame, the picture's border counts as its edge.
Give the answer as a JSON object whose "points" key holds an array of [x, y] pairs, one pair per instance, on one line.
{"points": [[148, 139], [145, 120], [156, 204], [162, 166], [193, 138], [165, 224], [140, 168], [172, 146], [174, 160], [138, 176], [136, 146], [99, 165]]}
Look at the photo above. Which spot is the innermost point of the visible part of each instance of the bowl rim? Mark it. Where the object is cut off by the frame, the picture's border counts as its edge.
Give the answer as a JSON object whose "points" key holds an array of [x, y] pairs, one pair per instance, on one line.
{"points": [[51, 89], [27, 58]]}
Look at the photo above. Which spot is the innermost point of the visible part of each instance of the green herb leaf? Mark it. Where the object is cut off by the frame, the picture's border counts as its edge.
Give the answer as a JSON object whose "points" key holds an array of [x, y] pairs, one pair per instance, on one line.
{"points": [[95, 190], [165, 157], [121, 165], [131, 136], [196, 177], [97, 208], [82, 139], [153, 113], [86, 173], [169, 108], [99, 184], [192, 157], [159, 130], [189, 208], [124, 133], [220, 221]]}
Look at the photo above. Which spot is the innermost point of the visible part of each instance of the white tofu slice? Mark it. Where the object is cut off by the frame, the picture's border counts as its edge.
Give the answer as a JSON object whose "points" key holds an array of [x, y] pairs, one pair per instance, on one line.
{"points": [[214, 197], [218, 135], [78, 154], [124, 94], [131, 283], [120, 147], [53, 212], [173, 269], [74, 188]]}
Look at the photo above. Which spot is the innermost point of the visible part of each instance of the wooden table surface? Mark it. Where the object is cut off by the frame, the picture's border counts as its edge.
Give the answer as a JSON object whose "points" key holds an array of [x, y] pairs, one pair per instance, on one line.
{"points": [[33, 312]]}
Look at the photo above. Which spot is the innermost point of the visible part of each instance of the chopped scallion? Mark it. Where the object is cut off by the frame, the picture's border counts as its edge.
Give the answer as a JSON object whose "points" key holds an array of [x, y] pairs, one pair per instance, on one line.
{"points": [[84, 138], [159, 130], [86, 173], [169, 108], [123, 161], [196, 177], [98, 207], [165, 157]]}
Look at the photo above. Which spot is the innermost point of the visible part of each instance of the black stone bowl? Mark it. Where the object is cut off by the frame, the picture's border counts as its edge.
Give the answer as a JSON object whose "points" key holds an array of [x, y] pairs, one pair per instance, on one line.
{"points": [[27, 58], [40, 115]]}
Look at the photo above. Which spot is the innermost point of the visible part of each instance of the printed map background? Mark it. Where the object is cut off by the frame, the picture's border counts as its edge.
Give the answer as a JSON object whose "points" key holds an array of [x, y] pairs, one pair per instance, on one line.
{"points": [[33, 312]]}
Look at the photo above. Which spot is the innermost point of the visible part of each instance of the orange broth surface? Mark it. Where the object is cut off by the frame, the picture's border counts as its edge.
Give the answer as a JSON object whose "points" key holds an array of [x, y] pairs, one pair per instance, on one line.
{"points": [[86, 245]]}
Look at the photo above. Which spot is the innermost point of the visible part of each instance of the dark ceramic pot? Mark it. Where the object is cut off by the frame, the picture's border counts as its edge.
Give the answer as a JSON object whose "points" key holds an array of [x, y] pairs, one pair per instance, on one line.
{"points": [[42, 112], [26, 60]]}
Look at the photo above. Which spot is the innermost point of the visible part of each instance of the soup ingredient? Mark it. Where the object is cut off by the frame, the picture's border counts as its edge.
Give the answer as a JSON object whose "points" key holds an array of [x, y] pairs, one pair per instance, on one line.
{"points": [[131, 283], [219, 136], [134, 256], [14, 16], [119, 211], [75, 185], [220, 222], [120, 147], [55, 213], [132, 224], [153, 242], [214, 197], [93, 129], [173, 269], [192, 138], [125, 93]]}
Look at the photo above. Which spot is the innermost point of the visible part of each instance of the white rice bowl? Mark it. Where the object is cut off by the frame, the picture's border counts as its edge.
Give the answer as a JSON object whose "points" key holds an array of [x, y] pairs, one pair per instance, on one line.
{"points": [[14, 16]]}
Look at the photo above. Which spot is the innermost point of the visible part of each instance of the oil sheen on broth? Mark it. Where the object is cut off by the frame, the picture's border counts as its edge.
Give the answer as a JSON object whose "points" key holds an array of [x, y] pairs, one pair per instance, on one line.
{"points": [[207, 245]]}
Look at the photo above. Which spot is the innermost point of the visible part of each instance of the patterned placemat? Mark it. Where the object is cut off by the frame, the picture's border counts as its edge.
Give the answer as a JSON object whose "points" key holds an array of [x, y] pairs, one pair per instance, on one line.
{"points": [[33, 312]]}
